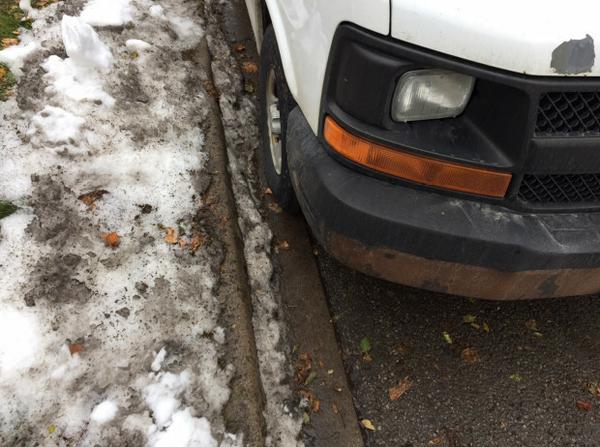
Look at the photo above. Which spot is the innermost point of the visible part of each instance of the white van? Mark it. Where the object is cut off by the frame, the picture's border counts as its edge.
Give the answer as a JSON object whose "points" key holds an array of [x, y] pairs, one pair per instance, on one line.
{"points": [[447, 145]]}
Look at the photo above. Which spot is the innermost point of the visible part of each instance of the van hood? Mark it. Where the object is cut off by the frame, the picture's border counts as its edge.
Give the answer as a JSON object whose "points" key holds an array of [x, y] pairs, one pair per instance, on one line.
{"points": [[555, 38]]}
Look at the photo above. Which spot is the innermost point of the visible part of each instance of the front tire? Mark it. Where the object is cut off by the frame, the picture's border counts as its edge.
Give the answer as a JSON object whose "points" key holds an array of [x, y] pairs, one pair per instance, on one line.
{"points": [[276, 102]]}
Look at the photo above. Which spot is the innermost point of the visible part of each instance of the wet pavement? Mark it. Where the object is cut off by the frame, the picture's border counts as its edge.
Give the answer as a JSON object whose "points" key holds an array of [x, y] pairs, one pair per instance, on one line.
{"points": [[515, 373]]}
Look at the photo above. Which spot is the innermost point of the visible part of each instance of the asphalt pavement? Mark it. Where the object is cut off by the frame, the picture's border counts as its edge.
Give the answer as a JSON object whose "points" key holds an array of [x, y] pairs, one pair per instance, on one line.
{"points": [[469, 372]]}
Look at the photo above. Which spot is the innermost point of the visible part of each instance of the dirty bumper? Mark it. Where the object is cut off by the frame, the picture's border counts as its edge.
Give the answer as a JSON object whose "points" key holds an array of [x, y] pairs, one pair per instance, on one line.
{"points": [[436, 242]]}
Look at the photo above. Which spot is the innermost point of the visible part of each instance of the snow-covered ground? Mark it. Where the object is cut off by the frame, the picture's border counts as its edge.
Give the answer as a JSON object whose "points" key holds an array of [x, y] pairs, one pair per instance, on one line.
{"points": [[110, 330]]}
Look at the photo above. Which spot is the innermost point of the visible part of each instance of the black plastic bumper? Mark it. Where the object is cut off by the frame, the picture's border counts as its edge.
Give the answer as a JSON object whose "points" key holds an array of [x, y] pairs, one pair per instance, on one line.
{"points": [[392, 226]]}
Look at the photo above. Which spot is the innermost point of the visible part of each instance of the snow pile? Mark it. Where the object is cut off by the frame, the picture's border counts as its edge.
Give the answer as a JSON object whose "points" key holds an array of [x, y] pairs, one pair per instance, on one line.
{"points": [[107, 13], [109, 143], [241, 134], [83, 45], [80, 76]]}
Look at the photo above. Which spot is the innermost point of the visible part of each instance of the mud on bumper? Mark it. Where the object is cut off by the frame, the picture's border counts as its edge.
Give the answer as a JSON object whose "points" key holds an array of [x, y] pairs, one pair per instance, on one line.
{"points": [[428, 240]]}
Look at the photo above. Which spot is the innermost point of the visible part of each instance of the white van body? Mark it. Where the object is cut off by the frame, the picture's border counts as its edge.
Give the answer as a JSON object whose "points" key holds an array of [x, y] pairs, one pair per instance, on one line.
{"points": [[514, 35]]}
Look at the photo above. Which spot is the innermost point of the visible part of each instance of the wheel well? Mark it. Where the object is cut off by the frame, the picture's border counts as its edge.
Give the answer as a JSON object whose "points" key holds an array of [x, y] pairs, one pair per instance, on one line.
{"points": [[266, 17]]}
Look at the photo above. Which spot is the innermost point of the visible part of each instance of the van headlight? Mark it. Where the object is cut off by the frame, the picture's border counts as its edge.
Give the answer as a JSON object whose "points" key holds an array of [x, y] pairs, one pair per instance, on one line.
{"points": [[431, 94]]}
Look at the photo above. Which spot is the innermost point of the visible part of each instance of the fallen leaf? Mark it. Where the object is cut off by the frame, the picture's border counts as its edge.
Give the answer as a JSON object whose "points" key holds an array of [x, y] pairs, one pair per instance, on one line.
{"points": [[275, 208], [282, 245], [593, 389], [249, 67], [469, 318], [469, 355], [306, 418], [515, 377], [268, 191], [438, 440], [9, 41], [398, 391], [447, 337], [111, 239], [531, 325], [400, 349], [311, 377], [51, 428], [239, 47], [171, 237], [366, 423], [365, 345], [583, 405], [75, 348], [303, 367], [196, 242], [90, 198], [316, 405]]}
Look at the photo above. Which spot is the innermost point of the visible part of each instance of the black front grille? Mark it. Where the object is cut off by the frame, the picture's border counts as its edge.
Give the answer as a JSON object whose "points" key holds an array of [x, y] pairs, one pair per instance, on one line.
{"points": [[568, 114], [561, 189]]}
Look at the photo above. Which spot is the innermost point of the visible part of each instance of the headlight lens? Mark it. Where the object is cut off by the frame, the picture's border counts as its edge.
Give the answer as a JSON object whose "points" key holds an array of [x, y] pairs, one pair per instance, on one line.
{"points": [[431, 94]]}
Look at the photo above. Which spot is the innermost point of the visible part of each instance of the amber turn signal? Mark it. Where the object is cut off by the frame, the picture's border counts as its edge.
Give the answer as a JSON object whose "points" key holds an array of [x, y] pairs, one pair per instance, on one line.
{"points": [[418, 169]]}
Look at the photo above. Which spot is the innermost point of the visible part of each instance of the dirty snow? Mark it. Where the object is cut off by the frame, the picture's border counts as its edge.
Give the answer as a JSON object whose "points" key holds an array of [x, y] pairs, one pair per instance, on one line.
{"points": [[56, 125], [241, 134], [100, 345]]}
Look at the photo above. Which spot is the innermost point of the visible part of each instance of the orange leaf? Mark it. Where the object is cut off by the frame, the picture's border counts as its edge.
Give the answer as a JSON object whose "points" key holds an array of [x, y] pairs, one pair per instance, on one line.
{"points": [[584, 405], [398, 391], [111, 239], [239, 47], [469, 355], [75, 348], [9, 41], [171, 237], [249, 67]]}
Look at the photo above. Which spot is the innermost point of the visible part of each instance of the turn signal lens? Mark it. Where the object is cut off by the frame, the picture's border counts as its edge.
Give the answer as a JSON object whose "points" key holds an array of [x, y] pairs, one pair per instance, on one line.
{"points": [[418, 169]]}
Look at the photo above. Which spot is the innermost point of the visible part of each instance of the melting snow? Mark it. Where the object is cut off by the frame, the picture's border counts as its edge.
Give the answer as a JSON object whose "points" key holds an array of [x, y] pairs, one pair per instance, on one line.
{"points": [[107, 13], [104, 412]]}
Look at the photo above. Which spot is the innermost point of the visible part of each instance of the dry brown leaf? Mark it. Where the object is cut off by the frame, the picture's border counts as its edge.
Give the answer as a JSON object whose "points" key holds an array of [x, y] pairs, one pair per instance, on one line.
{"points": [[239, 47], [111, 239], [399, 390], [268, 191], [75, 348], [438, 440], [316, 406], [171, 237], [196, 242], [249, 67], [584, 405], [593, 389], [470, 355], [90, 198], [9, 41], [282, 245], [531, 325], [366, 423], [303, 367]]}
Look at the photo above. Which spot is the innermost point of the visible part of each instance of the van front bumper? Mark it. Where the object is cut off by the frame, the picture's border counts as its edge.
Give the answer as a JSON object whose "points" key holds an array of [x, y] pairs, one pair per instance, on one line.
{"points": [[428, 240]]}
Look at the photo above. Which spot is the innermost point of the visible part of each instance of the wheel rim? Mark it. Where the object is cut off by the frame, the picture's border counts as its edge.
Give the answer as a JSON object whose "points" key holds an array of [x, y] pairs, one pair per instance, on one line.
{"points": [[274, 121]]}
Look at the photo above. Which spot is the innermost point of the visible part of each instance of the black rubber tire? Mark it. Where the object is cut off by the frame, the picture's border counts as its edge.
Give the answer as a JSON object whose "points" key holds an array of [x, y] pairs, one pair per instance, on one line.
{"points": [[280, 184]]}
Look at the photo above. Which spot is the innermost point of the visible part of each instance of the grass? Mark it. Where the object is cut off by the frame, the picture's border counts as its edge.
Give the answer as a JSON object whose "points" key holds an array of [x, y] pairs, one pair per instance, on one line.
{"points": [[11, 18], [6, 209]]}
